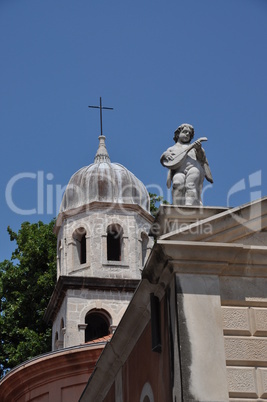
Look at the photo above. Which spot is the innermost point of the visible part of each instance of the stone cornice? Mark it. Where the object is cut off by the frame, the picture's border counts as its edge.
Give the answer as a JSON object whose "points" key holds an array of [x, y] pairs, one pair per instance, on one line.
{"points": [[116, 207], [169, 256], [78, 282]]}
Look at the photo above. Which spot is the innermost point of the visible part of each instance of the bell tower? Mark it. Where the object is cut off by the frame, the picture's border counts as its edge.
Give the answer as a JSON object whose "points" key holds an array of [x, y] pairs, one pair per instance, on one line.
{"points": [[102, 231]]}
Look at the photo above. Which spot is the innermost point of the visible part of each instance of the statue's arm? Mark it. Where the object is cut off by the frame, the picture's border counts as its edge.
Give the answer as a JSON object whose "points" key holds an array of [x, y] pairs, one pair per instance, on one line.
{"points": [[200, 153], [167, 155], [201, 157]]}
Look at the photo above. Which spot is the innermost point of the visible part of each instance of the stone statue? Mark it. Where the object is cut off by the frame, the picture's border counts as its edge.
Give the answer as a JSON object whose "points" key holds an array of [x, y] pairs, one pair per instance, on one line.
{"points": [[188, 166]]}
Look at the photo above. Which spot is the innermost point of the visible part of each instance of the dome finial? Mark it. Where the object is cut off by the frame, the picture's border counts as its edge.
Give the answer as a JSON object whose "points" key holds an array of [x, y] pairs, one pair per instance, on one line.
{"points": [[102, 153]]}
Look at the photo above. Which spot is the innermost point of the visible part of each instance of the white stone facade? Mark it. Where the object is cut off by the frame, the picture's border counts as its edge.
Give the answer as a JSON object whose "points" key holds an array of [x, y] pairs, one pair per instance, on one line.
{"points": [[135, 229], [245, 338], [77, 303], [69, 321]]}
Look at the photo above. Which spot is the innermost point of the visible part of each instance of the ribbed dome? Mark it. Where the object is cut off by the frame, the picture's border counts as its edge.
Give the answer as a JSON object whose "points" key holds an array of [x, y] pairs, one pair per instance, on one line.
{"points": [[106, 182]]}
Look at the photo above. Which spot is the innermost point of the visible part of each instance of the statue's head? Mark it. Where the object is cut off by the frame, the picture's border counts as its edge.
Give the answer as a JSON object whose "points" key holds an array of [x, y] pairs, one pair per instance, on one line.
{"points": [[180, 128]]}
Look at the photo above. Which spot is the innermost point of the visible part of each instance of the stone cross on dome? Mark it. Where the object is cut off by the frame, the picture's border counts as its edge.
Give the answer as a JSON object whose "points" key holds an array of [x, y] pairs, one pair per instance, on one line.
{"points": [[100, 107]]}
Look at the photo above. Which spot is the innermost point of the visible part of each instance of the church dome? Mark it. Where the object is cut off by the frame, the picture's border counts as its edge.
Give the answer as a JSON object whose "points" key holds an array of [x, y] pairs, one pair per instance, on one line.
{"points": [[104, 181]]}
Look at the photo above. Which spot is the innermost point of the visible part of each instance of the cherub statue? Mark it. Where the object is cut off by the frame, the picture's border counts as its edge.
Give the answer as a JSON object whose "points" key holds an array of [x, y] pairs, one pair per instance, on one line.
{"points": [[188, 166]]}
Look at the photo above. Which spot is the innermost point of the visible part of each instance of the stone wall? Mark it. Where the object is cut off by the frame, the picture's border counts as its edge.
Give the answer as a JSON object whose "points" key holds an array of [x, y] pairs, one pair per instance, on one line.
{"points": [[245, 330], [95, 224], [222, 323], [78, 303]]}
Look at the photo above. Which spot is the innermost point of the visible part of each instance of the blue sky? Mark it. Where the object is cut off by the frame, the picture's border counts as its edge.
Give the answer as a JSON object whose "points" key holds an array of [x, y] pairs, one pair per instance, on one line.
{"points": [[158, 64]]}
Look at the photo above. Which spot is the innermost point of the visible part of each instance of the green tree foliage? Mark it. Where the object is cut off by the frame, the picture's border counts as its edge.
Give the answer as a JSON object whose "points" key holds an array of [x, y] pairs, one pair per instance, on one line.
{"points": [[155, 201], [27, 281]]}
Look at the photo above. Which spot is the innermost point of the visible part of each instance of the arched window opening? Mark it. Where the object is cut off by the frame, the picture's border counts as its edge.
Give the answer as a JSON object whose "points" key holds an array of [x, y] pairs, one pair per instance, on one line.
{"points": [[80, 239], [97, 326], [114, 243], [83, 250], [56, 341], [145, 240], [62, 333]]}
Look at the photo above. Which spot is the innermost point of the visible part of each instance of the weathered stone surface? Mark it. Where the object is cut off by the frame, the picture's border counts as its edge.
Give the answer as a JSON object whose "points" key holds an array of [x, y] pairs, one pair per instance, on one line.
{"points": [[259, 316], [247, 351], [133, 227], [242, 382], [263, 381], [236, 320], [243, 290], [78, 303], [202, 352]]}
